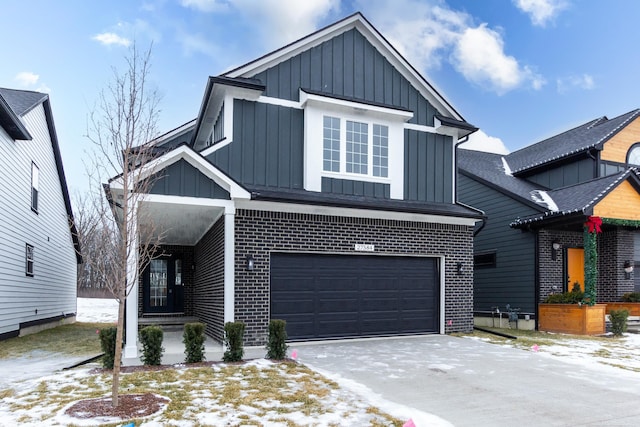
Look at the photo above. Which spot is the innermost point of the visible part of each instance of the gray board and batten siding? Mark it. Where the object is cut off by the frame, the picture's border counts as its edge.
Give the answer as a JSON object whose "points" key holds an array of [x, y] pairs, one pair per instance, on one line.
{"points": [[183, 179], [565, 175], [348, 66], [512, 280], [428, 167]]}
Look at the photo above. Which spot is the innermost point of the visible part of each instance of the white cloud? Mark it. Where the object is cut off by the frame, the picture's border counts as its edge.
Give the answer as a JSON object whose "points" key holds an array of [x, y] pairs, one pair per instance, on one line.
{"points": [[205, 5], [429, 33], [196, 43], [109, 39], [26, 79], [479, 55], [541, 11], [584, 82], [284, 21], [480, 141]]}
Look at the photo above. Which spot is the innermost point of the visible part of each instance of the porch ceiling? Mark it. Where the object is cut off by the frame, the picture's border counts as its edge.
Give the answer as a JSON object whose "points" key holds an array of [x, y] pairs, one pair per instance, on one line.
{"points": [[176, 224]]}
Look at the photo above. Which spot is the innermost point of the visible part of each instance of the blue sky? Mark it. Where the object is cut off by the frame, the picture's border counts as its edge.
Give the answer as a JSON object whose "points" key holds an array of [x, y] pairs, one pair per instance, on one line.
{"points": [[520, 70]]}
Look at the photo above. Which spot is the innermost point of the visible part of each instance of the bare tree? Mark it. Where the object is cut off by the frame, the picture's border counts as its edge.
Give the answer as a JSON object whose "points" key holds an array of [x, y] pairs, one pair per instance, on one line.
{"points": [[123, 121]]}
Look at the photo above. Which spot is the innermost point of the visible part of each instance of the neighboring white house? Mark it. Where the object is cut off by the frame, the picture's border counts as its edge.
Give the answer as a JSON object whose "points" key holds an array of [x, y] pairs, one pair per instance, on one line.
{"points": [[39, 247]]}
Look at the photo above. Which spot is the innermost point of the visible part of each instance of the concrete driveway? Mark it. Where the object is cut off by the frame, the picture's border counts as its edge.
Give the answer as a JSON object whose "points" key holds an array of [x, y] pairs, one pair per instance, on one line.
{"points": [[472, 383]]}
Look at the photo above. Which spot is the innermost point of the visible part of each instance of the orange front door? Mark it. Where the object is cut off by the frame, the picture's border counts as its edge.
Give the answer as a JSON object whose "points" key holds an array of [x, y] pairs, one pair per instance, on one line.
{"points": [[575, 267]]}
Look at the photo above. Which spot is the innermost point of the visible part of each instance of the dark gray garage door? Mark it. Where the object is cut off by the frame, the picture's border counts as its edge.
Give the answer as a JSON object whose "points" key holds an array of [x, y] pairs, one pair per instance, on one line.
{"points": [[333, 296]]}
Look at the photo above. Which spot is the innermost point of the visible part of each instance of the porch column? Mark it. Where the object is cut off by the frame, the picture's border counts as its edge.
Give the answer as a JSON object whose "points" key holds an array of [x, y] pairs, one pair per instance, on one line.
{"points": [[131, 332], [229, 264]]}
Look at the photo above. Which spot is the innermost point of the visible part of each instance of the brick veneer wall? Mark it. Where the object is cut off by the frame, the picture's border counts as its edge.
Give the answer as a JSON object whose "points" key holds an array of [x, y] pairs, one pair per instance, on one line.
{"points": [[208, 304], [614, 247], [259, 233], [186, 254]]}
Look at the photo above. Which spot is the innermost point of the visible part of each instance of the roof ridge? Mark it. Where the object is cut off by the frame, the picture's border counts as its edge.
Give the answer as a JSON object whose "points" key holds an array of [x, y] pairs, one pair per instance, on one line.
{"points": [[632, 115], [597, 122], [622, 176]]}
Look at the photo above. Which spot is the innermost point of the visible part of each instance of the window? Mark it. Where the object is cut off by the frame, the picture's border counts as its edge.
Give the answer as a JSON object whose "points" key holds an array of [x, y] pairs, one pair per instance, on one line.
{"points": [[361, 147], [633, 157], [29, 260], [484, 260], [35, 177], [178, 271], [331, 144]]}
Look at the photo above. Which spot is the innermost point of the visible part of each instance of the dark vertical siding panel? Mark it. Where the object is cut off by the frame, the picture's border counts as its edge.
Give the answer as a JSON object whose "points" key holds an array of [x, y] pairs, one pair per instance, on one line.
{"points": [[305, 72], [316, 67], [284, 79], [338, 65], [297, 149], [438, 169], [284, 148], [273, 154], [348, 64], [358, 188], [564, 175], [260, 137], [378, 70], [413, 104], [427, 171], [359, 66], [273, 81], [448, 165], [183, 179], [327, 67], [388, 83], [410, 162], [369, 55]]}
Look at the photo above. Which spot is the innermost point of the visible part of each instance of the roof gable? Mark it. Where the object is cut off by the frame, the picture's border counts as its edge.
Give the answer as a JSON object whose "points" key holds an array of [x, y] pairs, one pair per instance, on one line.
{"points": [[592, 134], [364, 28]]}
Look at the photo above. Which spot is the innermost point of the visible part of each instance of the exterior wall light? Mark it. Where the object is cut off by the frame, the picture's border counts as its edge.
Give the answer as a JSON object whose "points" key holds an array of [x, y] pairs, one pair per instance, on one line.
{"points": [[459, 268], [555, 247], [628, 269], [250, 262]]}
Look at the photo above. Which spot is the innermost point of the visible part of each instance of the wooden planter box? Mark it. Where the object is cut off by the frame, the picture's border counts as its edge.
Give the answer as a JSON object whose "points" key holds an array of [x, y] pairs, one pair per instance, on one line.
{"points": [[633, 307], [572, 318]]}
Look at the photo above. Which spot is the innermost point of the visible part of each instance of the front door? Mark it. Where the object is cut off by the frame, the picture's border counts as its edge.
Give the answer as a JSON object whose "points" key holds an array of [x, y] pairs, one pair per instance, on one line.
{"points": [[162, 286], [575, 268]]}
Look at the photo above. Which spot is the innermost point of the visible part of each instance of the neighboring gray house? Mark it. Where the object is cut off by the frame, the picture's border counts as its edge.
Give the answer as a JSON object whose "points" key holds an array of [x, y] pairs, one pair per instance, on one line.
{"points": [[317, 185], [39, 247], [537, 200]]}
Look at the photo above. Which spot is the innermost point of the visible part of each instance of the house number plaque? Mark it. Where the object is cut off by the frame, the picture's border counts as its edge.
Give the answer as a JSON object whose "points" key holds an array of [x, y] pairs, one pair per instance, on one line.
{"points": [[365, 248]]}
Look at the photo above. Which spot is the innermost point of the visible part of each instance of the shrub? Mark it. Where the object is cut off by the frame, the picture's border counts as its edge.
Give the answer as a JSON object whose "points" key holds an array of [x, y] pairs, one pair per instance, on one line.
{"points": [[233, 336], [277, 341], [193, 339], [108, 346], [151, 339], [573, 297], [631, 297], [619, 321]]}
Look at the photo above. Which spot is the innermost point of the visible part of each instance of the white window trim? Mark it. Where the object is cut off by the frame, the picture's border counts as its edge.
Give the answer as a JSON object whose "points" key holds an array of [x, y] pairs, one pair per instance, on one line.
{"points": [[316, 107], [28, 260], [35, 185]]}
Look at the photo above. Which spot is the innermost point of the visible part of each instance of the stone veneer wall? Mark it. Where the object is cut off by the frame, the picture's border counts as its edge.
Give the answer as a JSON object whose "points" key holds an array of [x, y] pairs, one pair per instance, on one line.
{"points": [[208, 303], [259, 233]]}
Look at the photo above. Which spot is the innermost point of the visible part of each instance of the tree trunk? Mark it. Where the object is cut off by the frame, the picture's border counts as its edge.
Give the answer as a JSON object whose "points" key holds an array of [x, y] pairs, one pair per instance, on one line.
{"points": [[118, 354]]}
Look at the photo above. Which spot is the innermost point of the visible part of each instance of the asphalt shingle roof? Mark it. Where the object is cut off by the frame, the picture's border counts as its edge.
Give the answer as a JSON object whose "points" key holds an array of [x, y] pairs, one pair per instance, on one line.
{"points": [[22, 101], [576, 140]]}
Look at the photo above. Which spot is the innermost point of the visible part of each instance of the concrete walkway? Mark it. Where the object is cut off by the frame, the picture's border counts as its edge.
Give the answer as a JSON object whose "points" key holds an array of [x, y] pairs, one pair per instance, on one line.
{"points": [[472, 383]]}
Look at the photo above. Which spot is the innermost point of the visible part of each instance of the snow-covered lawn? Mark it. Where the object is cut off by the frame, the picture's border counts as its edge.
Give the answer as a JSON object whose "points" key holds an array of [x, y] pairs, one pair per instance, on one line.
{"points": [[97, 310]]}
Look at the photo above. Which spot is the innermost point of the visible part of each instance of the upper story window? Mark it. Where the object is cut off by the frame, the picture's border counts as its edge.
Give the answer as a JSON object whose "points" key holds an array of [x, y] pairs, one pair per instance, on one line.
{"points": [[633, 157], [35, 177], [355, 147]]}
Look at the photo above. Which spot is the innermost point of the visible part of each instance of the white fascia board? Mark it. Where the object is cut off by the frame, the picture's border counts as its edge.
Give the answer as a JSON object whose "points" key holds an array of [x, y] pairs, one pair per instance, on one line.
{"points": [[445, 130], [185, 153], [228, 205], [352, 212], [352, 107], [420, 128], [374, 37]]}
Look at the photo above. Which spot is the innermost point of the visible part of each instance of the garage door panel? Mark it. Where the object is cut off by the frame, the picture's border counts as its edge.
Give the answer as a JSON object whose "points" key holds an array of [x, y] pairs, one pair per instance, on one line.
{"points": [[331, 296]]}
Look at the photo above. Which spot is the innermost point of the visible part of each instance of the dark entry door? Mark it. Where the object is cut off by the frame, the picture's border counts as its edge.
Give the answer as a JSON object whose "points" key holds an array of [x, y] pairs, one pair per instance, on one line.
{"points": [[162, 286], [336, 296]]}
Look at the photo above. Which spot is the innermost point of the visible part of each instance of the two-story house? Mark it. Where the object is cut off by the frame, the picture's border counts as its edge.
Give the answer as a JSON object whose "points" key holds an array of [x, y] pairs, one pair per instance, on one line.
{"points": [[40, 249], [537, 201], [317, 185]]}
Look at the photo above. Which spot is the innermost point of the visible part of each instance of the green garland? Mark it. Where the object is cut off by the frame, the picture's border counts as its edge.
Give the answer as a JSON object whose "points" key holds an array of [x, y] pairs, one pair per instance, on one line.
{"points": [[621, 222], [590, 266]]}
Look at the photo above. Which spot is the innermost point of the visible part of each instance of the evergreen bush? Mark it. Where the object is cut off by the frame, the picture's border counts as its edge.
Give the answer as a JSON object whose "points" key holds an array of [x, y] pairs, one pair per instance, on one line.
{"points": [[618, 321], [277, 341], [151, 339], [233, 337], [575, 296], [108, 346], [631, 297], [193, 339]]}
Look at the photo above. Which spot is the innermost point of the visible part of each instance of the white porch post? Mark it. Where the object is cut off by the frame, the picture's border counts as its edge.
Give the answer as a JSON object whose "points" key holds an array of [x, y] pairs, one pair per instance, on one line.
{"points": [[131, 338], [229, 264]]}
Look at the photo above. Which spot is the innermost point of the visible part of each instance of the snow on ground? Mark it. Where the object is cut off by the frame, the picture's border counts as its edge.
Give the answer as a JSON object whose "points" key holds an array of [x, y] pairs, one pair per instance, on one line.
{"points": [[97, 310]]}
